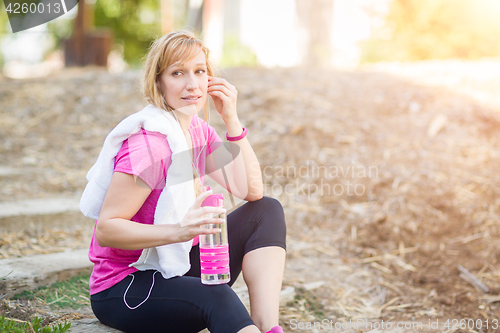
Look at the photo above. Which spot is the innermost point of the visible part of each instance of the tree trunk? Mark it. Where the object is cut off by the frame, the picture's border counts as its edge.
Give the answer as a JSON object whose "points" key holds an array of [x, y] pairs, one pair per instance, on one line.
{"points": [[316, 18]]}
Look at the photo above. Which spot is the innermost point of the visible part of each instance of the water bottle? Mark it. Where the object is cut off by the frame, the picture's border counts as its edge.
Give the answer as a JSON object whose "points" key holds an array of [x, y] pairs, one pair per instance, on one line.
{"points": [[214, 248]]}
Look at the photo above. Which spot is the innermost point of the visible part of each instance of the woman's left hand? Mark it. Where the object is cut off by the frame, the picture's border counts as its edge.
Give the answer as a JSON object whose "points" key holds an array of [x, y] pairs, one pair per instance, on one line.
{"points": [[224, 96]]}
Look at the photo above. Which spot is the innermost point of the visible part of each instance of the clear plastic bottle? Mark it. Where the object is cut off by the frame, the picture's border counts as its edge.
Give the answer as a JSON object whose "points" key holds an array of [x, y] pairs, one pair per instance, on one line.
{"points": [[214, 248]]}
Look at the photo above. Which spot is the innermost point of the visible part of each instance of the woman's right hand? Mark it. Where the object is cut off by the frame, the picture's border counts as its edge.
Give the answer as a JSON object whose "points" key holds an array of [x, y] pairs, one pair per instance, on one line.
{"points": [[195, 218]]}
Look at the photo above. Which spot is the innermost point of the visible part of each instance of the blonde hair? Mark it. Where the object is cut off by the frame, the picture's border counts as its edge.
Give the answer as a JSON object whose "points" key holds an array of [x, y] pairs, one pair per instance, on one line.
{"points": [[178, 46]]}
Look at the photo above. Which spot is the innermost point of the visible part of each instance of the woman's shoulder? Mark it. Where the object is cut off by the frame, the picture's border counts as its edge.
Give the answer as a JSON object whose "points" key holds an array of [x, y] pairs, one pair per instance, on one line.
{"points": [[145, 142], [144, 154], [145, 136]]}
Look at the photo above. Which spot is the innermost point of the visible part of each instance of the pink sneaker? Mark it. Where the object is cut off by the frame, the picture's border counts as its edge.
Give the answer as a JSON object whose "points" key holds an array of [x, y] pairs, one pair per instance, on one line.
{"points": [[276, 329]]}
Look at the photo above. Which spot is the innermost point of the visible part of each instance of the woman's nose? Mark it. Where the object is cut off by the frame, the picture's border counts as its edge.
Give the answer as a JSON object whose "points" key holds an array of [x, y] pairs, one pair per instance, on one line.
{"points": [[191, 82]]}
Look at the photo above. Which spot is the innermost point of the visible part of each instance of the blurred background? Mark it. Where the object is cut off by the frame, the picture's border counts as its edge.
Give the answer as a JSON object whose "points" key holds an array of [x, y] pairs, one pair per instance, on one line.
{"points": [[284, 33]]}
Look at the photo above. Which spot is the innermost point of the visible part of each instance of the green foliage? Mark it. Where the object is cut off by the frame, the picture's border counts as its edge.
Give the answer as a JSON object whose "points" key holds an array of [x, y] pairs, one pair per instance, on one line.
{"points": [[436, 29], [234, 53], [72, 293], [35, 325], [3, 27], [135, 24], [3, 19], [307, 302]]}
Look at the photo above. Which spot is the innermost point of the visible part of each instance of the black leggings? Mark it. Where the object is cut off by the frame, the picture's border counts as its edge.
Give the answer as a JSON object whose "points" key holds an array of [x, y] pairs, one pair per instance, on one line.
{"points": [[184, 304]]}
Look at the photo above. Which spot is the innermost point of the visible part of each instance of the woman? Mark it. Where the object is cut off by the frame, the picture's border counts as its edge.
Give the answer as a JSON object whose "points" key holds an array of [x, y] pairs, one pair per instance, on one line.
{"points": [[178, 78]]}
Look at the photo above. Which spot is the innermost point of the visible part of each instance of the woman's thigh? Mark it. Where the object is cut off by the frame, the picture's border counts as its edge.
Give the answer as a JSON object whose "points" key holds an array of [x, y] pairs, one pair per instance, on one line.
{"points": [[180, 304]]}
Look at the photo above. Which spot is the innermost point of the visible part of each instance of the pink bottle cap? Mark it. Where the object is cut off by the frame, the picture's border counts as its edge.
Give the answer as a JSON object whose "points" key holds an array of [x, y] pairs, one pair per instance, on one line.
{"points": [[214, 200]]}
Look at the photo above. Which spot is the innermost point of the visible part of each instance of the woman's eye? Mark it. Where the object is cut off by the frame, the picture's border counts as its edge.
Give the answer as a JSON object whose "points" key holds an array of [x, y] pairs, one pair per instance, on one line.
{"points": [[200, 71], [176, 73]]}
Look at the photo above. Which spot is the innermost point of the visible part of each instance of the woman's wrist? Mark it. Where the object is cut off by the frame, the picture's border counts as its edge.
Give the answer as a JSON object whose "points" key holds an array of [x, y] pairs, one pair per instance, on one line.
{"points": [[234, 128], [172, 233]]}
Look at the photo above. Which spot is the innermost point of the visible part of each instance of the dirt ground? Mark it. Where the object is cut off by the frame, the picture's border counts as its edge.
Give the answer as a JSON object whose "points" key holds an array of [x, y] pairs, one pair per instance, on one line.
{"points": [[389, 185]]}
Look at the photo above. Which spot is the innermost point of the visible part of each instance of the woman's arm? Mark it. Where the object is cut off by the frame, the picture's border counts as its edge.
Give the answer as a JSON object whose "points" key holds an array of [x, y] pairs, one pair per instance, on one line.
{"points": [[241, 165], [124, 198], [243, 177]]}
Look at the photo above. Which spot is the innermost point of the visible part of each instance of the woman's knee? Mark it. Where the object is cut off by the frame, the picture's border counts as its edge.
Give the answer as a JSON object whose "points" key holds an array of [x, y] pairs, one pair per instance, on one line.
{"points": [[272, 214], [273, 209], [269, 205]]}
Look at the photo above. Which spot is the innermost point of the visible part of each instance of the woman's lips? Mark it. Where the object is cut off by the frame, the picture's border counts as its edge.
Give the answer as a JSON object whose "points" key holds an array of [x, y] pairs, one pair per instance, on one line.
{"points": [[191, 99]]}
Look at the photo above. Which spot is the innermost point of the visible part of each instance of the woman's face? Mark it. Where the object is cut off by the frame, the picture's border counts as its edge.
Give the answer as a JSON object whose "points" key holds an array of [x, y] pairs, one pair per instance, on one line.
{"points": [[185, 85]]}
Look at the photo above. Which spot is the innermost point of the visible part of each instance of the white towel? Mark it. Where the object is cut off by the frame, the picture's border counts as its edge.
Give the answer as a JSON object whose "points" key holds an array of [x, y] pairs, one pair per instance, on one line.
{"points": [[175, 199]]}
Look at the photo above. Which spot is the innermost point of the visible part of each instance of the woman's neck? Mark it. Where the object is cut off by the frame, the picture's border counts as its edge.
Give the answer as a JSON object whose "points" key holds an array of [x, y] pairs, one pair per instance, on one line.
{"points": [[184, 120]]}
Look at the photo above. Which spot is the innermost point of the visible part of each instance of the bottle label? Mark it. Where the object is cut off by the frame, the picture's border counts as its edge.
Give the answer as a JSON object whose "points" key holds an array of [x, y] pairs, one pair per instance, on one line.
{"points": [[214, 260]]}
